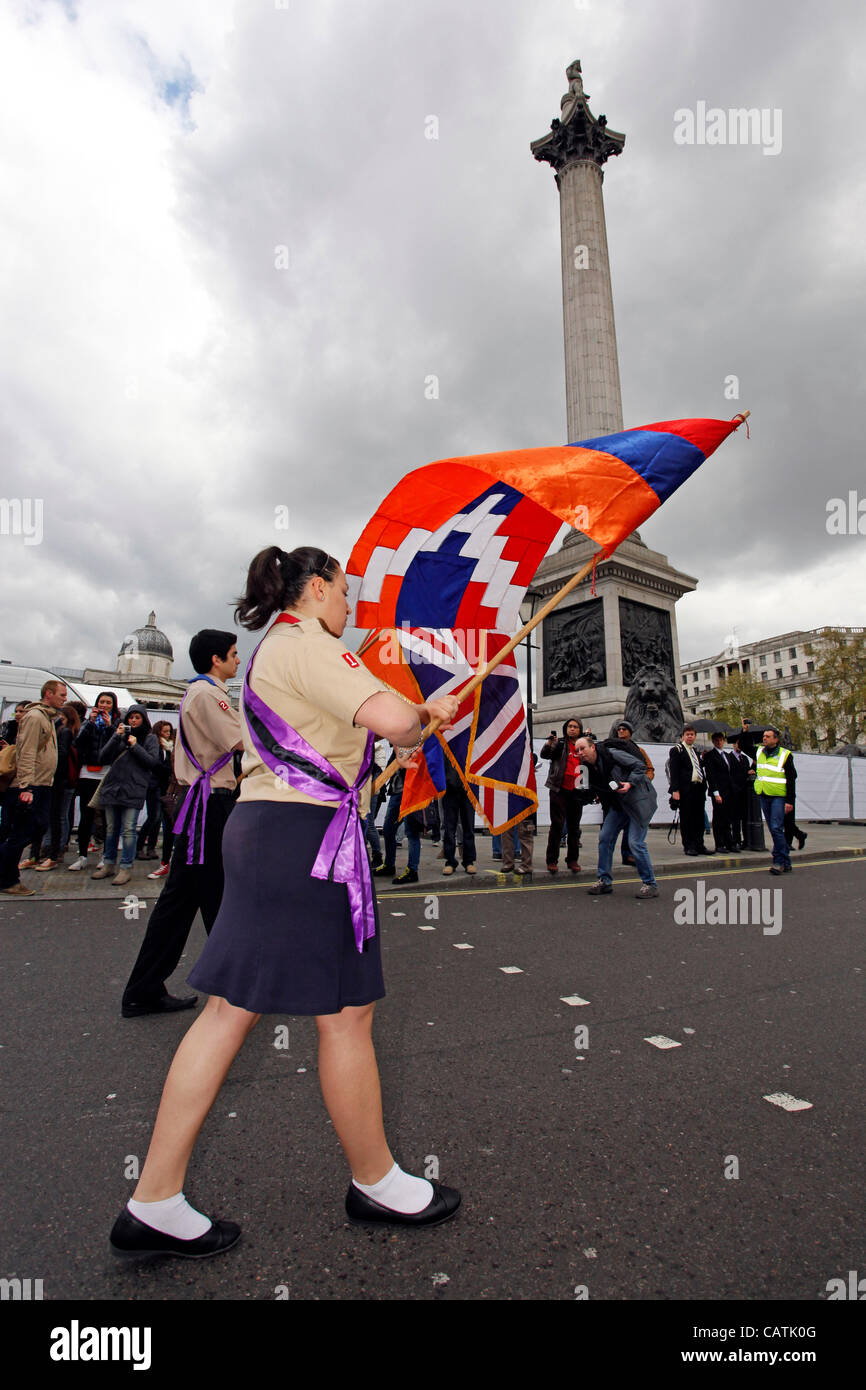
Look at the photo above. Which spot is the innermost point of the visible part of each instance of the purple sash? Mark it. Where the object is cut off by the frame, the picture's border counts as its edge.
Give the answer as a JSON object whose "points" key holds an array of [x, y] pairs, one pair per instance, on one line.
{"points": [[342, 856], [199, 793]]}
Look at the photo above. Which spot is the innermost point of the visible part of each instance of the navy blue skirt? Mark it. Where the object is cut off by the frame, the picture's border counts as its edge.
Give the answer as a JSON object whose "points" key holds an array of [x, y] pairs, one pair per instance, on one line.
{"points": [[283, 942]]}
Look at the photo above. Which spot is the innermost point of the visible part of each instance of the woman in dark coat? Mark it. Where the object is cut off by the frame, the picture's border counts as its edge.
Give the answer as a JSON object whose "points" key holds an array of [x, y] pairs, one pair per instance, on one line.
{"points": [[132, 753], [94, 734]]}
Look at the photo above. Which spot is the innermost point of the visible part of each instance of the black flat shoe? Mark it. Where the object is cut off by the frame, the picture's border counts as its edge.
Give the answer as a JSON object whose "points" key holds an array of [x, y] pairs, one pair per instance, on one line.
{"points": [[131, 1238], [442, 1206], [168, 1004]]}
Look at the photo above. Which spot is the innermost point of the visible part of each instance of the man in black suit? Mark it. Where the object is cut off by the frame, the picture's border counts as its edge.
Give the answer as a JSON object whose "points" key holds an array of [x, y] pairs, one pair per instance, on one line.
{"points": [[689, 791], [739, 765], [718, 771]]}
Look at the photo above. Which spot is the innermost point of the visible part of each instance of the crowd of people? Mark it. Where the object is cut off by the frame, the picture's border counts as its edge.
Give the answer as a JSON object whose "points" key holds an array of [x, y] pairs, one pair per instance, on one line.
{"points": [[297, 933], [53, 751]]}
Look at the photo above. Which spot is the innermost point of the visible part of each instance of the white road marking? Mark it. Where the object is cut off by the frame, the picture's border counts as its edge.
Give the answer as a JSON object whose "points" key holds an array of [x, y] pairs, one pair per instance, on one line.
{"points": [[511, 969], [573, 999], [463, 946], [786, 1102], [398, 914], [659, 1040], [426, 928], [688, 1030]]}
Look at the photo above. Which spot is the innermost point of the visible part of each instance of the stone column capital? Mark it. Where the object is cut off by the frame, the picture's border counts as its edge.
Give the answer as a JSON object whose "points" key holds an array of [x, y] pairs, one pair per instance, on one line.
{"points": [[578, 135]]}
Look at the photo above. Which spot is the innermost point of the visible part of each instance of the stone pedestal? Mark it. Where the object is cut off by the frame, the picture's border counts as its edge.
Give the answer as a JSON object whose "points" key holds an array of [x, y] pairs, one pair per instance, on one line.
{"points": [[593, 648]]}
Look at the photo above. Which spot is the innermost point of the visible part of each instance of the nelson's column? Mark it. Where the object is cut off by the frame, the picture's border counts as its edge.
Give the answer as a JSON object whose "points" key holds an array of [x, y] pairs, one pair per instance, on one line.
{"points": [[598, 655]]}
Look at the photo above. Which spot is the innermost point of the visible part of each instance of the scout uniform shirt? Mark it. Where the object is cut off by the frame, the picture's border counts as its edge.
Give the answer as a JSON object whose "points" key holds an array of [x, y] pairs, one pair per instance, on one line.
{"points": [[211, 727], [317, 685]]}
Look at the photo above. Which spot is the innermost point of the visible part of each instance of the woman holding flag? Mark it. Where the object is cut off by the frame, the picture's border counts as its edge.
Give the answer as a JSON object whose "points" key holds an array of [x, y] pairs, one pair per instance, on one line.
{"points": [[297, 928]]}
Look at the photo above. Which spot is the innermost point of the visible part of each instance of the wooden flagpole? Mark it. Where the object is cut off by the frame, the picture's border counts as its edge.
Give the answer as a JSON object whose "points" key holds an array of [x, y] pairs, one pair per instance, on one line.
{"points": [[489, 666]]}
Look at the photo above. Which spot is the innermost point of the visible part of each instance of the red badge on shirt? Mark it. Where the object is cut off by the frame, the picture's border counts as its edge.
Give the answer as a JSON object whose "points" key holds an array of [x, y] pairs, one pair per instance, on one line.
{"points": [[224, 704], [350, 660]]}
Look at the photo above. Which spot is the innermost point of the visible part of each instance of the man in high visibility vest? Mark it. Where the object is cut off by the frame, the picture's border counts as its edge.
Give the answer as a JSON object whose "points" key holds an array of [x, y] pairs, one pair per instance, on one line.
{"points": [[775, 776]]}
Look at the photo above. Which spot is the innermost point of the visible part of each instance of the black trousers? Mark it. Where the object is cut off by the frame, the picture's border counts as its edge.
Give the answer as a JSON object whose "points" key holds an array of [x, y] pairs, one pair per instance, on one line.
{"points": [[791, 826], [722, 832], [693, 800], [566, 808], [189, 888], [738, 807], [456, 806], [149, 831], [86, 787], [26, 823]]}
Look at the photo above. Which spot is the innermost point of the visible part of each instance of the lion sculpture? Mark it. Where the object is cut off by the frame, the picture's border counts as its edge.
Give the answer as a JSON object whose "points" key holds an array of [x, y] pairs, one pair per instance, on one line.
{"points": [[653, 706]]}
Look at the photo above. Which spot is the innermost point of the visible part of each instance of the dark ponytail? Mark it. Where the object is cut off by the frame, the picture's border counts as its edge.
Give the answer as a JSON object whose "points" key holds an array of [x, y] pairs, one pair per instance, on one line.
{"points": [[276, 580]]}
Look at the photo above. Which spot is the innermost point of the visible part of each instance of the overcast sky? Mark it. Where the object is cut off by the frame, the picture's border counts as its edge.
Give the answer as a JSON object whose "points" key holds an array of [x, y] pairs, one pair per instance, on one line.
{"points": [[231, 257]]}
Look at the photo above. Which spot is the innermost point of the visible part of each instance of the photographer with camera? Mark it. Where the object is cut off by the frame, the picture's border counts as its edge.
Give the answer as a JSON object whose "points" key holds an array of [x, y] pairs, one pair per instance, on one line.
{"points": [[95, 732], [131, 754], [628, 800]]}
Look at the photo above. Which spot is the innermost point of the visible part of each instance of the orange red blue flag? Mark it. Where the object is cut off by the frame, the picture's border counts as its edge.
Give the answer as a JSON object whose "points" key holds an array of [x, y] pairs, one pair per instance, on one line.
{"points": [[456, 543]]}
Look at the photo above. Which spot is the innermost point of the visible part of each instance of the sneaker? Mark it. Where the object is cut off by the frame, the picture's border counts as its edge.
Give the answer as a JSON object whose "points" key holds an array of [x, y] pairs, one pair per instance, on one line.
{"points": [[496, 856], [648, 890], [79, 863], [27, 864], [104, 871], [375, 863], [776, 871], [470, 868], [407, 876], [160, 872], [45, 864], [385, 871], [19, 891], [449, 869], [600, 887]]}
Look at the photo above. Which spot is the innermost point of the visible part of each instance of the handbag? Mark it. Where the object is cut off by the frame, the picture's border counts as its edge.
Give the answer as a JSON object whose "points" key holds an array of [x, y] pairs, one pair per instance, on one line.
{"points": [[95, 803], [673, 828]]}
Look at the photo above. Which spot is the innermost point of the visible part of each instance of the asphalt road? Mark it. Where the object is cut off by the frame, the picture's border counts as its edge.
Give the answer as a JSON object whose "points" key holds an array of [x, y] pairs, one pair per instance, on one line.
{"points": [[589, 1164]]}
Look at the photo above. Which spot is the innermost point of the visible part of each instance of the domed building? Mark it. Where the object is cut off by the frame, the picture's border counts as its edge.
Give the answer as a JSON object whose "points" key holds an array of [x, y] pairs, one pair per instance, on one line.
{"points": [[146, 651], [144, 665]]}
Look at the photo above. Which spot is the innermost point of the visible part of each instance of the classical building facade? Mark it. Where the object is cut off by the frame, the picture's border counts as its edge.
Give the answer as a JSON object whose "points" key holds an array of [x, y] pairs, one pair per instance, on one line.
{"points": [[785, 664], [143, 668]]}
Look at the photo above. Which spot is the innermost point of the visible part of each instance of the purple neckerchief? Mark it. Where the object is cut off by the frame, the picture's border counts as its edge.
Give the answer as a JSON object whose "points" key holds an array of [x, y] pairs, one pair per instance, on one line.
{"points": [[342, 856], [199, 792]]}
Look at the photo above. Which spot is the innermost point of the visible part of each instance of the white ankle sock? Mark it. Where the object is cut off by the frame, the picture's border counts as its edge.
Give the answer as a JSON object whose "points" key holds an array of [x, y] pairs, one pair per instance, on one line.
{"points": [[399, 1191], [173, 1216]]}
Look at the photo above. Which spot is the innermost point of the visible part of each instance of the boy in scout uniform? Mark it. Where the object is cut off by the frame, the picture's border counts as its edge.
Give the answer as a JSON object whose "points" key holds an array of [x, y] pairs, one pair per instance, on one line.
{"points": [[212, 732]]}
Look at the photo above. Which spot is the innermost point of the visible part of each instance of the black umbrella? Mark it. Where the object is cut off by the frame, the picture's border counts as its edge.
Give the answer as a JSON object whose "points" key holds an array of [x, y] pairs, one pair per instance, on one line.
{"points": [[850, 750], [712, 726]]}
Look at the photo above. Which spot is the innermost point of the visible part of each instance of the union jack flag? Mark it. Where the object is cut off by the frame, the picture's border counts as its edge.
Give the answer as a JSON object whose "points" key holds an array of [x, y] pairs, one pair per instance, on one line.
{"points": [[488, 742]]}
